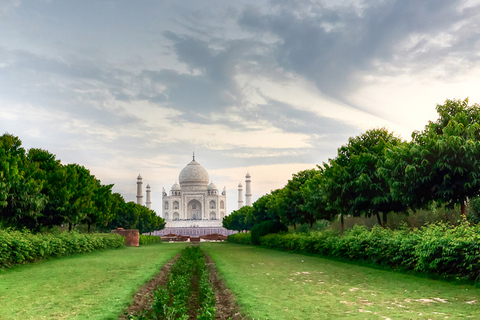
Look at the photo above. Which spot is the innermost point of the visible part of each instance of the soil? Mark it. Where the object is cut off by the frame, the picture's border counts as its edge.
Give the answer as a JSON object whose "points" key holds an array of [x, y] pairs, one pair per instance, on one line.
{"points": [[143, 298], [226, 307]]}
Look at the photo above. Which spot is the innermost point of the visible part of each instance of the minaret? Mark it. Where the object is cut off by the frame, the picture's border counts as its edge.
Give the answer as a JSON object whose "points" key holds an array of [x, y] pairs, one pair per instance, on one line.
{"points": [[148, 203], [240, 195], [139, 190], [248, 190]]}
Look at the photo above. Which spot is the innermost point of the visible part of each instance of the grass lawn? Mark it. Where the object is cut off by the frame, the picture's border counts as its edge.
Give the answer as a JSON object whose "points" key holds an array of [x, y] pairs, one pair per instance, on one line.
{"points": [[97, 285], [271, 284]]}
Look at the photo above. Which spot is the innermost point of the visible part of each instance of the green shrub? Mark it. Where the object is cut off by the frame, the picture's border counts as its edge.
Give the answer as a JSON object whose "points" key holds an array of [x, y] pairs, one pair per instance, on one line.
{"points": [[263, 228], [147, 239], [240, 238], [18, 247]]}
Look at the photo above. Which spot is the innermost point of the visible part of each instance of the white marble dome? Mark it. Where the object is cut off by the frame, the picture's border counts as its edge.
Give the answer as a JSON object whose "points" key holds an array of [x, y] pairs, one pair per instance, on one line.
{"points": [[176, 187], [194, 173], [212, 186]]}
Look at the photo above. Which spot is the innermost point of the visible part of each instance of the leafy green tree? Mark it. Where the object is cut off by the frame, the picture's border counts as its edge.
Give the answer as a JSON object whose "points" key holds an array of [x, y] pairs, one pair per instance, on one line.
{"points": [[354, 185], [102, 198], [54, 177], [81, 187], [315, 199], [237, 219], [441, 164], [290, 202], [21, 200]]}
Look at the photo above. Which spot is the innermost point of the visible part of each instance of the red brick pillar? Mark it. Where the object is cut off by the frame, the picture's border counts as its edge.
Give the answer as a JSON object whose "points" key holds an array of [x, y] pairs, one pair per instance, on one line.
{"points": [[132, 238]]}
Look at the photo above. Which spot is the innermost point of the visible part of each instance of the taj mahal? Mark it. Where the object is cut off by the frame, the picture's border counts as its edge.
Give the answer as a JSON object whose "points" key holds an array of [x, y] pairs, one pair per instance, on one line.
{"points": [[195, 201]]}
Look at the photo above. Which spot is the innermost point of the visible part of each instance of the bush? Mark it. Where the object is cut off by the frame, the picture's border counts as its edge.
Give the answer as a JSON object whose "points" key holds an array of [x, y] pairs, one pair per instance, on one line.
{"points": [[450, 251], [18, 247], [263, 228], [147, 239], [241, 238]]}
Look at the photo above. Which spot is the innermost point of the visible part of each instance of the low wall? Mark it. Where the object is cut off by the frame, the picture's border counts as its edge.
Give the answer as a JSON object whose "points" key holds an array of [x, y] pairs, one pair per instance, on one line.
{"points": [[132, 238]]}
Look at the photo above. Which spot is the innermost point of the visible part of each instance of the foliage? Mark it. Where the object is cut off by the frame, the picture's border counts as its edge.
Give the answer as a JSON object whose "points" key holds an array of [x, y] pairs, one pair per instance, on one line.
{"points": [[266, 227], [237, 220], [171, 302], [146, 239], [441, 164], [18, 247], [241, 238], [450, 251], [353, 183], [21, 200]]}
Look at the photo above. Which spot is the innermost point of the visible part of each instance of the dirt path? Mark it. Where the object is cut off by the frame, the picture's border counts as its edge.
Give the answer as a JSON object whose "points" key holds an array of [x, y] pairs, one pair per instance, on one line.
{"points": [[226, 306], [143, 298]]}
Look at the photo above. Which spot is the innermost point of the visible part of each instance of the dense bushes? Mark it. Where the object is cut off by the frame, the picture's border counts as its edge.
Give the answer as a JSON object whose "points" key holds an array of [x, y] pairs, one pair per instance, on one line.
{"points": [[241, 238], [21, 247], [450, 251], [266, 227], [146, 239], [171, 302]]}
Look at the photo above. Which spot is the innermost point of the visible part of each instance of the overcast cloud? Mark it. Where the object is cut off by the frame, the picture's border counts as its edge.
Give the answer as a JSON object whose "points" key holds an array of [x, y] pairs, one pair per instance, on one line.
{"points": [[269, 87]]}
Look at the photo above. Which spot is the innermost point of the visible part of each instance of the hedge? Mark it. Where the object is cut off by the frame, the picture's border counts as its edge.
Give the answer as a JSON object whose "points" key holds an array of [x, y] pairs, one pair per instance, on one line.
{"points": [[449, 251], [23, 247], [147, 239]]}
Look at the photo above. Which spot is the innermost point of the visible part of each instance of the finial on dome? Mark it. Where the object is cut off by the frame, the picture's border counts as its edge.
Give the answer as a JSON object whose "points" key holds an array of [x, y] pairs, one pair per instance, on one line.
{"points": [[193, 155]]}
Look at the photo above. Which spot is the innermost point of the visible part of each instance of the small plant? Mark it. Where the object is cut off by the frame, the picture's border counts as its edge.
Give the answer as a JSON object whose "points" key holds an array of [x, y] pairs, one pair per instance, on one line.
{"points": [[171, 302]]}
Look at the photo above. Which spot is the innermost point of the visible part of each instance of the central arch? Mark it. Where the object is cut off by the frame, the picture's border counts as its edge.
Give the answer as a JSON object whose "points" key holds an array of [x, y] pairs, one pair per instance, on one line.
{"points": [[194, 210]]}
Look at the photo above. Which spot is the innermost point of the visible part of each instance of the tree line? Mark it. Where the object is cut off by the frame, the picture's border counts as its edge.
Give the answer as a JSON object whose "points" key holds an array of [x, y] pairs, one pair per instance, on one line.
{"points": [[377, 173], [37, 191]]}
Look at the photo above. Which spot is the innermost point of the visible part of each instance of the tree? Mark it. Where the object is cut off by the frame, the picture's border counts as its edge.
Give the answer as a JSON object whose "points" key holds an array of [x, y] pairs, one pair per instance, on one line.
{"points": [[21, 200], [315, 199], [441, 164], [290, 203], [237, 219], [80, 194], [354, 185]]}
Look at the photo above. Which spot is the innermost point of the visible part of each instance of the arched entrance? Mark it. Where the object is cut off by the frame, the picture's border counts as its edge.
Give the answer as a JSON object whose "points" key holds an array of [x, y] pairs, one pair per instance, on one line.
{"points": [[194, 210]]}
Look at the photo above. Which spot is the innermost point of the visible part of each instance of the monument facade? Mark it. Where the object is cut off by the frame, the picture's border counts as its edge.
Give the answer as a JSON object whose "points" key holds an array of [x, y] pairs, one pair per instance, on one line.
{"points": [[193, 201]]}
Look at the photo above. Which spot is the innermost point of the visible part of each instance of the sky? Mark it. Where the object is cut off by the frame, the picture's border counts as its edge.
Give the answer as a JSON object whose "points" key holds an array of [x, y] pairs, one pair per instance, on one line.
{"points": [[265, 87]]}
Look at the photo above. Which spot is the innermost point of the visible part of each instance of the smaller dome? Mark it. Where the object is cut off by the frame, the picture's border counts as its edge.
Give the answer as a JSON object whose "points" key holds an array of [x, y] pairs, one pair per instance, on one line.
{"points": [[176, 187], [139, 177], [148, 186], [240, 185], [248, 175], [212, 186]]}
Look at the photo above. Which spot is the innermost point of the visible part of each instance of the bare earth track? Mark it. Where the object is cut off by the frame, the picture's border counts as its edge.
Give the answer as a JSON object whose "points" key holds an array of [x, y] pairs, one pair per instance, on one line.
{"points": [[226, 306]]}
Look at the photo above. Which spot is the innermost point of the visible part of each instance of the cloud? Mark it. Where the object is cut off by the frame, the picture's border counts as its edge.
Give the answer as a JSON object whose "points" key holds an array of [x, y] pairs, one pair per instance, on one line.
{"points": [[329, 44]]}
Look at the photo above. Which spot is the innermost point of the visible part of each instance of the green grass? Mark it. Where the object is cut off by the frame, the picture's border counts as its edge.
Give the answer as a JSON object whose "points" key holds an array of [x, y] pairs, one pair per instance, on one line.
{"points": [[97, 285], [271, 284]]}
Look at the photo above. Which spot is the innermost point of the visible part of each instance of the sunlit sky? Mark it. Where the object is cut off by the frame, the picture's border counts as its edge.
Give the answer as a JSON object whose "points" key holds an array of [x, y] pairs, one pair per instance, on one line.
{"points": [[268, 87]]}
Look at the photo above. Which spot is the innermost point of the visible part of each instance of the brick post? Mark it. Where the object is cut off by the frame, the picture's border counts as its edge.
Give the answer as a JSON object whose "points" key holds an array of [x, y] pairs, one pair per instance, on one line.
{"points": [[132, 238]]}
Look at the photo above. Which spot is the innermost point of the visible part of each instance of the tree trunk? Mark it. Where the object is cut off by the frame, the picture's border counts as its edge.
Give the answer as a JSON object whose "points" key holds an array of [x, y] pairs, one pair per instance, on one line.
{"points": [[378, 219], [294, 226], [88, 224], [341, 219], [384, 220], [69, 227], [311, 225]]}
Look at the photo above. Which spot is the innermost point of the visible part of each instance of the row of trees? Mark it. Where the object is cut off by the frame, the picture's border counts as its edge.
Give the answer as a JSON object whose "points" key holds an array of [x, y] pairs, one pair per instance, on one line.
{"points": [[377, 173], [37, 191]]}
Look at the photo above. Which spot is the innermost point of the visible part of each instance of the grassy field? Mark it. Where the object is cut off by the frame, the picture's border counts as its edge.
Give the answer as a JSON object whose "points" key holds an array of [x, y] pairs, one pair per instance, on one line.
{"points": [[278, 285], [97, 285]]}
